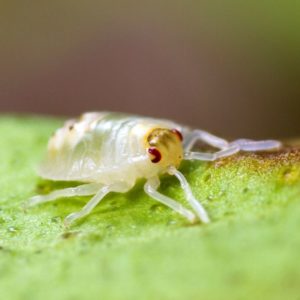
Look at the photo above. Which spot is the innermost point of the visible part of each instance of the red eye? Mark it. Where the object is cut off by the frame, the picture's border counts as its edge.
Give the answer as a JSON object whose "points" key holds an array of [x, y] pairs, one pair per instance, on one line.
{"points": [[178, 133], [157, 156]]}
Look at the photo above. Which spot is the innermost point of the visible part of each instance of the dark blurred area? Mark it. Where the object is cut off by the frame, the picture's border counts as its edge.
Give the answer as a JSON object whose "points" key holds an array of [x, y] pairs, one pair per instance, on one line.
{"points": [[232, 68]]}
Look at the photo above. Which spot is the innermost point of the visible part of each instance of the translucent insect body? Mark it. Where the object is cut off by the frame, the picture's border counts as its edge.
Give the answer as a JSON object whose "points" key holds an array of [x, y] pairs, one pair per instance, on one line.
{"points": [[108, 152]]}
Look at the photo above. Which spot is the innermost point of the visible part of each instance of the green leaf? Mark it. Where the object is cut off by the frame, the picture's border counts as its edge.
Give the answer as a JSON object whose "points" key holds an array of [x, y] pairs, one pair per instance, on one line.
{"points": [[131, 247]]}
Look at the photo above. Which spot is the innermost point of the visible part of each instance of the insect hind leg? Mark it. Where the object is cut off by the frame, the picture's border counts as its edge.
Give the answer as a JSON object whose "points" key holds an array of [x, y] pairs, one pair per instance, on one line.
{"points": [[81, 190], [99, 195]]}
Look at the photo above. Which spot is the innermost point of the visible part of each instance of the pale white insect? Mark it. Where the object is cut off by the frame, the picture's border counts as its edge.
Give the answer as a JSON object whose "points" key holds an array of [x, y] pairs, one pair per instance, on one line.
{"points": [[108, 152]]}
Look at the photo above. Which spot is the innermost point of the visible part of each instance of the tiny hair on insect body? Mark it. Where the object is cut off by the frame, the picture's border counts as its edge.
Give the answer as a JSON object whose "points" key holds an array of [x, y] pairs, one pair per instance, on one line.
{"points": [[108, 152]]}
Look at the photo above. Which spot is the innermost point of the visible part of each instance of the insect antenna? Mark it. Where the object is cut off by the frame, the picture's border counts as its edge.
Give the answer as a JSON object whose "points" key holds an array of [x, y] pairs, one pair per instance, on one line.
{"points": [[197, 206]]}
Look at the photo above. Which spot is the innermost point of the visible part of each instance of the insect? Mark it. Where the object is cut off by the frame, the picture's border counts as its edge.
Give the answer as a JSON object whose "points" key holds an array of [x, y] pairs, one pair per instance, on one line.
{"points": [[108, 152]]}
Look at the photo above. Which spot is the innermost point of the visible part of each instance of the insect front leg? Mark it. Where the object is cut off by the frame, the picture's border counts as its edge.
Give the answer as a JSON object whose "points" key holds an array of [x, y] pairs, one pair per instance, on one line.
{"points": [[81, 190], [227, 149], [250, 145], [230, 150], [104, 190], [151, 187], [210, 139], [196, 205], [200, 135]]}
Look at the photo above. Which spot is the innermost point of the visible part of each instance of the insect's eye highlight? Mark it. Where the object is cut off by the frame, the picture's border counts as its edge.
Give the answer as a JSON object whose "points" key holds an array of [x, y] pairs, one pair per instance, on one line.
{"points": [[155, 153], [178, 133]]}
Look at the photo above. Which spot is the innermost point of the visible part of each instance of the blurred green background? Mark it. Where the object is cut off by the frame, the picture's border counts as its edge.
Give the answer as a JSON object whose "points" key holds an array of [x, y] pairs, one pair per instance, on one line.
{"points": [[232, 67]]}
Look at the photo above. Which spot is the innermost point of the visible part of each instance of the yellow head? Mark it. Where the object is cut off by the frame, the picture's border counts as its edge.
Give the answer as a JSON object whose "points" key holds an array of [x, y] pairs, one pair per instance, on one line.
{"points": [[165, 147]]}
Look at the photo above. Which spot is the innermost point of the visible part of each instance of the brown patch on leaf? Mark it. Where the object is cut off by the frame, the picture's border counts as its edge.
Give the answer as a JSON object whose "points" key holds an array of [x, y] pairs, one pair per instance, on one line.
{"points": [[288, 155]]}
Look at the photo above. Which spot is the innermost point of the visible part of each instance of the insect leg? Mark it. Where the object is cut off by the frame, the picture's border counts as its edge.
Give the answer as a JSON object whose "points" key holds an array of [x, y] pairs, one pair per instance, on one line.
{"points": [[117, 187], [201, 135], [151, 187], [81, 190], [230, 150], [250, 145], [196, 205], [234, 147]]}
